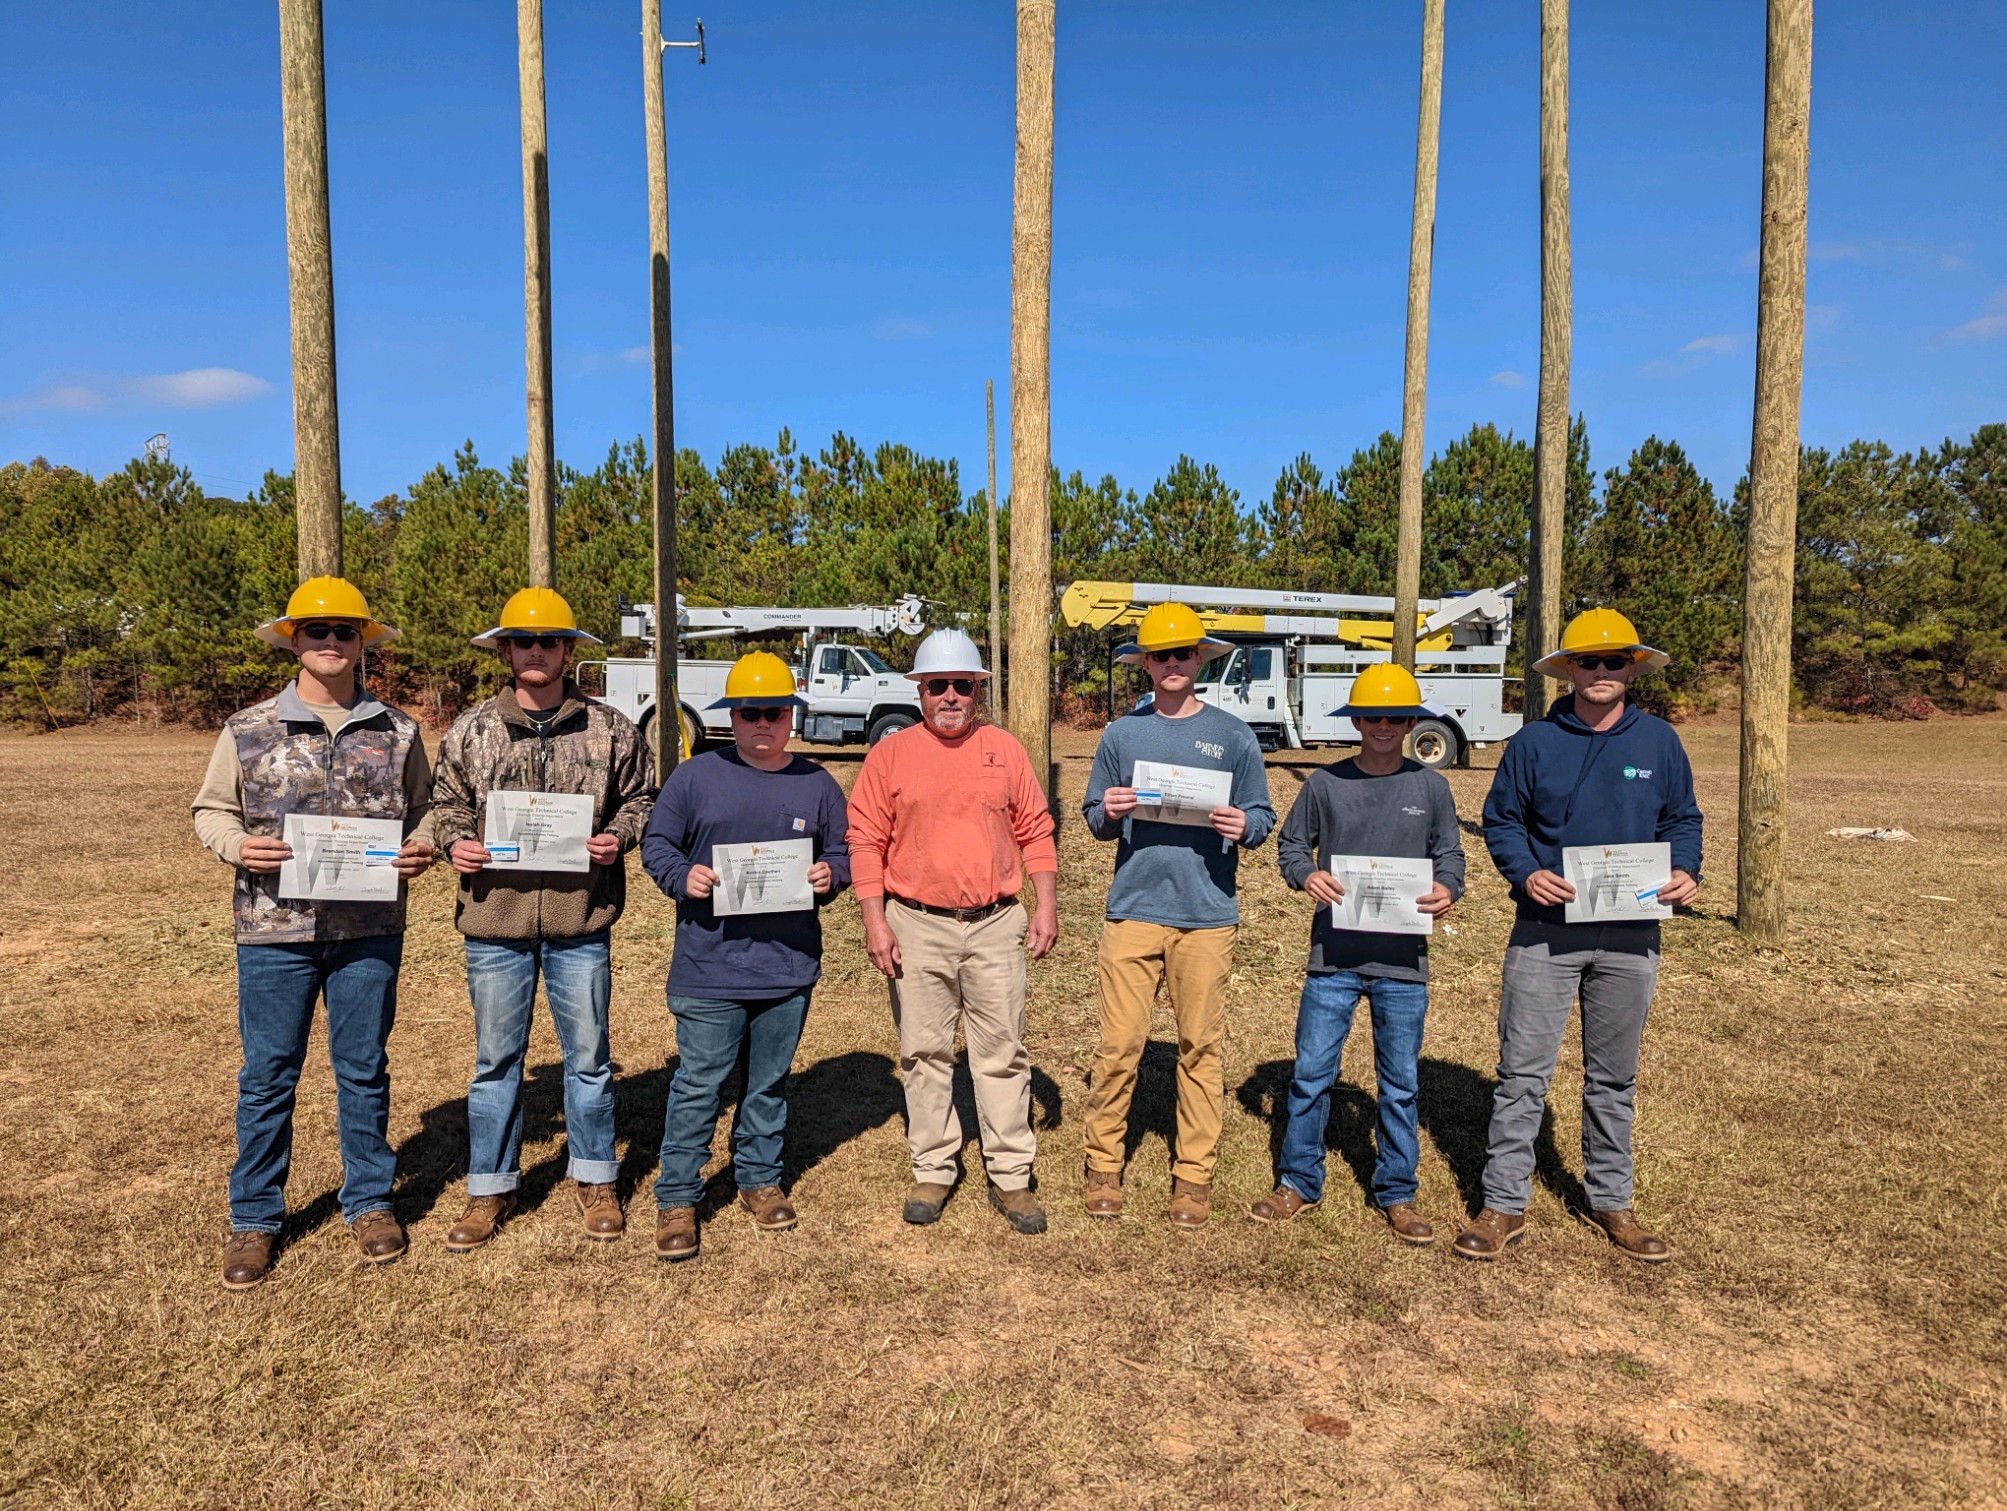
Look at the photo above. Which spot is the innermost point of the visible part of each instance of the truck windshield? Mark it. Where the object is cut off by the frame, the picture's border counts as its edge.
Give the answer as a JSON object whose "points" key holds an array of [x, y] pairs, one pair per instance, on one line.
{"points": [[871, 659]]}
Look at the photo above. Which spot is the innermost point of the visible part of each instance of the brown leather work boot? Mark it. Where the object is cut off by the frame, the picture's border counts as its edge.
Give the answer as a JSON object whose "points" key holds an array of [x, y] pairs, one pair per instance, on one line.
{"points": [[599, 1211], [1279, 1205], [1490, 1234], [924, 1203], [380, 1236], [675, 1233], [1101, 1193], [247, 1259], [1409, 1225], [772, 1212], [1630, 1237], [1019, 1208], [1191, 1203], [481, 1221]]}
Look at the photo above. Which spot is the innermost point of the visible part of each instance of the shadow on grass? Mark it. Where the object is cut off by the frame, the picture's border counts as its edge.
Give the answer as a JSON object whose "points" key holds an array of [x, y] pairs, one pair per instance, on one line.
{"points": [[1265, 1094]]}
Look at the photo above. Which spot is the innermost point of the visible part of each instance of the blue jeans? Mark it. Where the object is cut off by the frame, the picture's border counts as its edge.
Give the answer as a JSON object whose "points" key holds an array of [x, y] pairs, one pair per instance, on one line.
{"points": [[1322, 1021], [502, 981], [277, 986], [711, 1035]]}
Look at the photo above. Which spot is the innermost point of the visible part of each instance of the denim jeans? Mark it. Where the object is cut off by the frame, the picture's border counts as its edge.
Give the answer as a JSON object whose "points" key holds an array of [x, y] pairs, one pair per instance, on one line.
{"points": [[277, 986], [502, 981], [1322, 1021], [711, 1035]]}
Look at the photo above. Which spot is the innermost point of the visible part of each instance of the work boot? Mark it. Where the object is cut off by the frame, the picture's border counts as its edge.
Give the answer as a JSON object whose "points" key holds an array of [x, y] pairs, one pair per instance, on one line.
{"points": [[924, 1203], [1020, 1209], [675, 1233], [481, 1221], [1279, 1205], [772, 1212], [1490, 1234], [1409, 1225], [247, 1259], [1630, 1237], [1191, 1203], [1101, 1193], [599, 1210], [380, 1236]]}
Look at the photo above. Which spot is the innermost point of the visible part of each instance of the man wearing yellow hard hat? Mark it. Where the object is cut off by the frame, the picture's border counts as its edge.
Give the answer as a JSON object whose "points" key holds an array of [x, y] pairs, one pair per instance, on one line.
{"points": [[740, 980], [521, 919], [1596, 771], [1378, 804], [322, 752], [1172, 910]]}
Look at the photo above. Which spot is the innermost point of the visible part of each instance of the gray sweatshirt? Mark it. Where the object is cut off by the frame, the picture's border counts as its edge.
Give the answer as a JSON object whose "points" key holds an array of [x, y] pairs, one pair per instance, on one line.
{"points": [[1345, 811], [1176, 874]]}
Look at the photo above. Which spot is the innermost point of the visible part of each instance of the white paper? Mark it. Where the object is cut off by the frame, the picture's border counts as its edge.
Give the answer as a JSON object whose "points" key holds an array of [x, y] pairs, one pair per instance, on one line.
{"points": [[1381, 892], [1168, 794], [770, 876], [1616, 883], [539, 831], [341, 859]]}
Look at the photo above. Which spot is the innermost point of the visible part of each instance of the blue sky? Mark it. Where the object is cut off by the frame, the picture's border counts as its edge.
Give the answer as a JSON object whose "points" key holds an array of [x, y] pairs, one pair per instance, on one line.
{"points": [[1231, 229]]}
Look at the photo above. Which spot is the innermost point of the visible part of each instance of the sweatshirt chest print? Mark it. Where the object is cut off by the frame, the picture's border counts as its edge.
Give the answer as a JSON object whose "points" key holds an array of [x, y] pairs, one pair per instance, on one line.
{"points": [[1637, 773], [1415, 812], [1206, 747]]}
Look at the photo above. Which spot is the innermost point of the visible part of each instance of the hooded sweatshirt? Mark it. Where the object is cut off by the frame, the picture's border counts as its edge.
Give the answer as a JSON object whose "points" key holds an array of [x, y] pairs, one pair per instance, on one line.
{"points": [[1561, 783]]}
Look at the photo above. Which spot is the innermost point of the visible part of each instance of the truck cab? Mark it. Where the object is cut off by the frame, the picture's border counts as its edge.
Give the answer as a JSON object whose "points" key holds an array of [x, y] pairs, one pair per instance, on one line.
{"points": [[853, 695]]}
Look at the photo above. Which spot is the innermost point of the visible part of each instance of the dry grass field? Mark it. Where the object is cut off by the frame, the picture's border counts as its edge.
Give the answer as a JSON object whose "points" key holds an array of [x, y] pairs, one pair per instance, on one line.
{"points": [[1820, 1136]]}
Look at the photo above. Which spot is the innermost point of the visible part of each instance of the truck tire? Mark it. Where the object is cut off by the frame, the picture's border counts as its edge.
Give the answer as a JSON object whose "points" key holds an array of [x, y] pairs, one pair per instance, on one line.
{"points": [[890, 724], [693, 732], [1433, 744]]}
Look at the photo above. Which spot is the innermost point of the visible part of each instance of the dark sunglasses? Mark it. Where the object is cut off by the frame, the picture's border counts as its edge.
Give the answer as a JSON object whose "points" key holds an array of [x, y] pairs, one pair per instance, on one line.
{"points": [[1182, 653], [541, 642], [1384, 719], [764, 715], [341, 634], [963, 686], [1603, 663]]}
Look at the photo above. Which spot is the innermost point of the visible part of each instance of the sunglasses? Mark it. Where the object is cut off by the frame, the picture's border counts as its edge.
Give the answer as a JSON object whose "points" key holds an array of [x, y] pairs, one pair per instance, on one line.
{"points": [[1182, 653], [341, 634], [541, 642], [938, 686], [1602, 663], [764, 715], [1384, 719]]}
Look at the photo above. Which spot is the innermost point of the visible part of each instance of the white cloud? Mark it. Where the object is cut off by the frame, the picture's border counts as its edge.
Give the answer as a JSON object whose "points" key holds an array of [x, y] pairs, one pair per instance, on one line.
{"points": [[901, 328], [1695, 354], [70, 396], [1507, 379], [198, 388], [1986, 327], [1719, 345], [640, 353]]}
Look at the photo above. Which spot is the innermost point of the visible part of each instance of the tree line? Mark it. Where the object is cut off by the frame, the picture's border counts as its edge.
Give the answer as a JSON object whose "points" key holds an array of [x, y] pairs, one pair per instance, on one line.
{"points": [[135, 592]]}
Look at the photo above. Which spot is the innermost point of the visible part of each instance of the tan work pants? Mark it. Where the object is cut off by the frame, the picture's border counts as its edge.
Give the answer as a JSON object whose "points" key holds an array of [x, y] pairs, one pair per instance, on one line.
{"points": [[1194, 964], [971, 973]]}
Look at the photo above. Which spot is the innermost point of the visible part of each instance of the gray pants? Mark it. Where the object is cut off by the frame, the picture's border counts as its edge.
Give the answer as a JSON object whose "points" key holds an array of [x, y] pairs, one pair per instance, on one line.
{"points": [[1613, 968]]}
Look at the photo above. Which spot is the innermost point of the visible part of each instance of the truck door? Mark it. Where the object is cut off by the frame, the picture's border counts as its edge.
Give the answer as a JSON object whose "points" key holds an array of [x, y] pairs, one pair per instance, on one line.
{"points": [[1248, 687], [840, 683]]}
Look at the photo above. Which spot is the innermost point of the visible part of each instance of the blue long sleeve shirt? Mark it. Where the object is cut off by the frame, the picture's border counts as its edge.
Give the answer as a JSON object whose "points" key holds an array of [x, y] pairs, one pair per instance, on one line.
{"points": [[1561, 783]]}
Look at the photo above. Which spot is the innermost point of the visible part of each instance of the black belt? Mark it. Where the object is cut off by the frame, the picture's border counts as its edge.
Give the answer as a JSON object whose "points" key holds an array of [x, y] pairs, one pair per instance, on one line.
{"points": [[960, 915]]}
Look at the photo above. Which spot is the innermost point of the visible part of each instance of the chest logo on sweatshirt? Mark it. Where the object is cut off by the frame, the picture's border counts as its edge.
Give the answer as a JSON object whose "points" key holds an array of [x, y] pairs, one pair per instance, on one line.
{"points": [[1637, 773], [1203, 747], [800, 826], [1415, 812]]}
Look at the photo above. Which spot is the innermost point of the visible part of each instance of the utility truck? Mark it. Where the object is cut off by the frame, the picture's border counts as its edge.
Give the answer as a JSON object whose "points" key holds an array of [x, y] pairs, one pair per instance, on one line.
{"points": [[1295, 655], [852, 695]]}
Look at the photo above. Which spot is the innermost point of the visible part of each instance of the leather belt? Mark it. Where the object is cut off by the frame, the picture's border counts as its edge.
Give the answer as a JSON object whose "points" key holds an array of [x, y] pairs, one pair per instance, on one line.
{"points": [[960, 915]]}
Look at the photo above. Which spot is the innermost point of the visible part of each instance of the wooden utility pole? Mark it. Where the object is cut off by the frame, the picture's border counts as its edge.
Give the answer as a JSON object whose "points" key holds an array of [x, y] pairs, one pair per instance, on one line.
{"points": [[1031, 391], [996, 593], [1773, 473], [1415, 381], [537, 293], [1550, 429], [310, 276]]}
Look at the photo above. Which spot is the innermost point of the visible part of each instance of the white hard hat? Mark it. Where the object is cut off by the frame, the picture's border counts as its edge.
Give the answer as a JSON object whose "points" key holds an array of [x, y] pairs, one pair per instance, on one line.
{"points": [[944, 653]]}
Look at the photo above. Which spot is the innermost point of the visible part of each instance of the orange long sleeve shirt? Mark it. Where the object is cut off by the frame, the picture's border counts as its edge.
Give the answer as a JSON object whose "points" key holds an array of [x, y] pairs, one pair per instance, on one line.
{"points": [[945, 822]]}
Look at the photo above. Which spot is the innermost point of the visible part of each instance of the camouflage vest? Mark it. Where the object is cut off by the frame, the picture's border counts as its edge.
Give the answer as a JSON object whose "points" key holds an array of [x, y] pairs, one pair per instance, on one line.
{"points": [[293, 765]]}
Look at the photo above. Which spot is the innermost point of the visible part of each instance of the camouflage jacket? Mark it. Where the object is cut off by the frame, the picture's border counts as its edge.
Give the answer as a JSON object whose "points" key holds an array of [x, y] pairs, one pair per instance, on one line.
{"points": [[588, 748], [293, 765]]}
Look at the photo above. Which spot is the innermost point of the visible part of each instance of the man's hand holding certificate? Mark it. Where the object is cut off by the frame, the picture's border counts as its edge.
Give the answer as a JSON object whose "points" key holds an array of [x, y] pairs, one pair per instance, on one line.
{"points": [[341, 859], [1168, 794], [539, 831], [1617, 883], [770, 876], [1381, 894]]}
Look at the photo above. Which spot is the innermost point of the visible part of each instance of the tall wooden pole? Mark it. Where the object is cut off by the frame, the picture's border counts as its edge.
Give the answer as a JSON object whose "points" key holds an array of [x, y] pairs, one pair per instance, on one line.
{"points": [[1031, 391], [1773, 473], [537, 293], [668, 708], [1415, 380], [310, 276], [1550, 431], [990, 494]]}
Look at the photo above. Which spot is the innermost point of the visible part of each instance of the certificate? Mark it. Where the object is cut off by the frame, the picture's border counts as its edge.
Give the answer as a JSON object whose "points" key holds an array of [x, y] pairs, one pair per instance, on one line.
{"points": [[1168, 794], [341, 859], [1381, 892], [539, 831], [768, 877], [1616, 883]]}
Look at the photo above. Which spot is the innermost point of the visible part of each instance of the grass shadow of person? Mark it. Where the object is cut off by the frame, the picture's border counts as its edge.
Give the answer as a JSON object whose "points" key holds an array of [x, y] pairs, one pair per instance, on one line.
{"points": [[1153, 1109], [1265, 1095], [435, 1157], [1455, 1107]]}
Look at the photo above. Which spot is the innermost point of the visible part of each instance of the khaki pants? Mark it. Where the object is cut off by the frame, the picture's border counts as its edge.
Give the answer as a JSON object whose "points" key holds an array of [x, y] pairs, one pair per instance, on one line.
{"points": [[1194, 964], [971, 973]]}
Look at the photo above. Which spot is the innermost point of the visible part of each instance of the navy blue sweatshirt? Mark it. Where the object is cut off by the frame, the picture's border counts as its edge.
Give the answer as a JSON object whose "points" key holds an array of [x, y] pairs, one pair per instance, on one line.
{"points": [[717, 799], [1560, 783]]}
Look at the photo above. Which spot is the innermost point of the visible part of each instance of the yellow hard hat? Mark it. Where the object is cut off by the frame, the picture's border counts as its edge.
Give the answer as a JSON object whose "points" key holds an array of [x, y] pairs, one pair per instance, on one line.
{"points": [[1595, 630], [759, 679], [1167, 627], [324, 598], [534, 611], [1387, 691]]}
